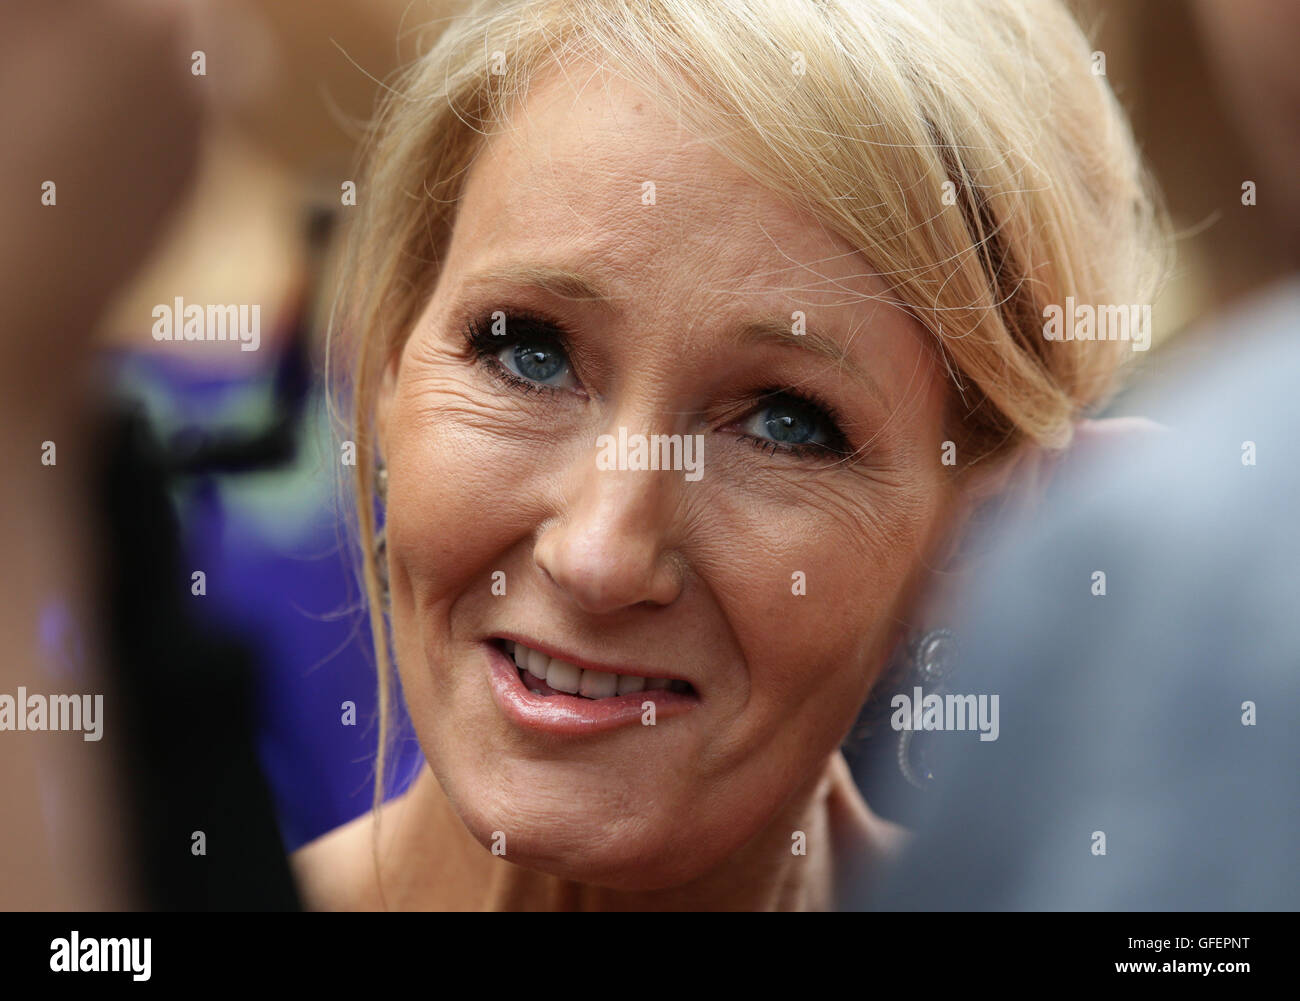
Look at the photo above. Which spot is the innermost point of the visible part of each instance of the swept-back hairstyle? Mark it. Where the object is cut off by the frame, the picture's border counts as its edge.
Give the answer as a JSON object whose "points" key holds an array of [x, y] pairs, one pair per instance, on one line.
{"points": [[965, 147]]}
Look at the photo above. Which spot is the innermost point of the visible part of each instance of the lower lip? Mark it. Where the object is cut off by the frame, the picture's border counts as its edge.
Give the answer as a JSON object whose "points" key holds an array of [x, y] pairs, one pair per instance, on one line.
{"points": [[571, 715]]}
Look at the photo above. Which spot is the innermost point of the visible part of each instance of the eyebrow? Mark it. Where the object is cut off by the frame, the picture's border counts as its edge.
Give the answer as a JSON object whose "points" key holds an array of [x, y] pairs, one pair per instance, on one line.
{"points": [[780, 332], [561, 282], [573, 284]]}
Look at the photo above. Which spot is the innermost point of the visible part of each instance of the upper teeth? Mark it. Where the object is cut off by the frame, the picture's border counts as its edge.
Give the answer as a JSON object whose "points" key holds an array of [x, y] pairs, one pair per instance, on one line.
{"points": [[566, 677]]}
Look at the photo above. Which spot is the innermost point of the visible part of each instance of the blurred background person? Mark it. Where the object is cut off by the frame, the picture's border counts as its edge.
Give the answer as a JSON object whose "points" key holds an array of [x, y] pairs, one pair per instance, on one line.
{"points": [[118, 166], [1206, 88], [86, 183], [1150, 720]]}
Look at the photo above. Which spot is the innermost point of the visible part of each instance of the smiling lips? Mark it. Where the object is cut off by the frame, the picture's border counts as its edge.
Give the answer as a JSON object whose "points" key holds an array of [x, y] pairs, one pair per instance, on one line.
{"points": [[545, 675], [574, 701]]}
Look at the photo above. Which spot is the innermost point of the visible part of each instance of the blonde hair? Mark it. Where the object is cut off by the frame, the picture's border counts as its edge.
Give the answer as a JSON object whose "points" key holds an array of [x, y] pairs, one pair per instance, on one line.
{"points": [[964, 146]]}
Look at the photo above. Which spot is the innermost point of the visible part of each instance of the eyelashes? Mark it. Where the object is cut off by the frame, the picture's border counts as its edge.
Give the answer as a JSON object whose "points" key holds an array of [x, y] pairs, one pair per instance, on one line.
{"points": [[527, 352], [787, 414], [538, 345]]}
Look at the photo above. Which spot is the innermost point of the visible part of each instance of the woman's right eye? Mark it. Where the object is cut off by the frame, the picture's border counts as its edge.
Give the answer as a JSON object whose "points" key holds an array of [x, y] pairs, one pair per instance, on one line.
{"points": [[526, 352]]}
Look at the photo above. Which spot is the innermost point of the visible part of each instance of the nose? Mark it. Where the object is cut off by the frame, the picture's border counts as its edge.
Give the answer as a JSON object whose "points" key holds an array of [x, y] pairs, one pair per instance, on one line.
{"points": [[609, 548]]}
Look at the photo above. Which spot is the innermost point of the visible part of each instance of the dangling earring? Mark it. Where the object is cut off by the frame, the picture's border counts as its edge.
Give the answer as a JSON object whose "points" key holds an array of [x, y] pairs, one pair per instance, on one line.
{"points": [[381, 535], [927, 663], [933, 657]]}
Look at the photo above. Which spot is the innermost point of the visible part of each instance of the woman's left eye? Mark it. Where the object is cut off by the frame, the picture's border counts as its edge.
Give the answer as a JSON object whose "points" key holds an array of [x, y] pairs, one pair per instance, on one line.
{"points": [[787, 423], [539, 361]]}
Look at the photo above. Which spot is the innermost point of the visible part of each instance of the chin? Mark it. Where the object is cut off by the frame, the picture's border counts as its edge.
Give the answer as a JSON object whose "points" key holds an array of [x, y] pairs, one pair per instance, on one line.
{"points": [[587, 840]]}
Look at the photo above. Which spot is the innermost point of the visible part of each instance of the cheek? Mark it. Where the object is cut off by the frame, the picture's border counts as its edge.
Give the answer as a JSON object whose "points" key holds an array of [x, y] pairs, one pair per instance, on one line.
{"points": [[813, 589], [460, 462], [436, 490], [462, 475]]}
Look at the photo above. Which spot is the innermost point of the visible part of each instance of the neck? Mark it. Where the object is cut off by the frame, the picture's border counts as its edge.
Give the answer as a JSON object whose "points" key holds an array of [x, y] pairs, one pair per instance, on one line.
{"points": [[429, 861]]}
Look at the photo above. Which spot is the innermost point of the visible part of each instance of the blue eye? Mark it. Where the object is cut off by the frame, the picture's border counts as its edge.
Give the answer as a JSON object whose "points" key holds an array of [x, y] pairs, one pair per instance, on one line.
{"points": [[528, 354], [789, 423], [788, 426], [537, 361]]}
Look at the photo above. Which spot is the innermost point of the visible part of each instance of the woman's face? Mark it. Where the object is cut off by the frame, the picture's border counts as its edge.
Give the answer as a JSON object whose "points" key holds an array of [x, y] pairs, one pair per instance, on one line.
{"points": [[768, 578]]}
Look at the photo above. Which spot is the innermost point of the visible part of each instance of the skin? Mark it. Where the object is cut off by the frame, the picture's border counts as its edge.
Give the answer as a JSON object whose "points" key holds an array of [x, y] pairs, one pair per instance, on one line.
{"points": [[75, 75], [637, 567]]}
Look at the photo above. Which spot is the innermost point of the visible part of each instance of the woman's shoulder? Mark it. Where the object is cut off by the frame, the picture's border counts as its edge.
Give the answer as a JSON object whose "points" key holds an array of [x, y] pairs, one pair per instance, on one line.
{"points": [[336, 871]]}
